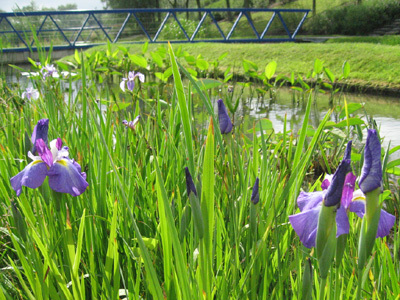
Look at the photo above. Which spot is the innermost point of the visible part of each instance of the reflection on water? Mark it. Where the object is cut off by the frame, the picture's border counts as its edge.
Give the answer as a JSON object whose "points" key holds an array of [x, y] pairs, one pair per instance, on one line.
{"points": [[384, 110]]}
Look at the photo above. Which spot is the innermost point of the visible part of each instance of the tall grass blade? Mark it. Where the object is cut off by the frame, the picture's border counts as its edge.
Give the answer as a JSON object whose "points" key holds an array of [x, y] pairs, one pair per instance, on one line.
{"points": [[187, 128], [181, 265], [207, 208]]}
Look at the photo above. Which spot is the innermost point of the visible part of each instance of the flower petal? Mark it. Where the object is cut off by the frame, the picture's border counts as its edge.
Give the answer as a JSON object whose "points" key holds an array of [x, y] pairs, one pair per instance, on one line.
{"points": [[348, 189], [305, 225], [347, 151], [386, 222], [326, 183], [65, 177], [255, 195], [131, 85], [358, 207], [141, 76], [78, 167], [40, 132], [371, 173], [334, 191], [307, 201], [190, 187], [35, 94], [45, 154], [31, 176], [225, 123], [122, 85], [342, 222], [58, 144]]}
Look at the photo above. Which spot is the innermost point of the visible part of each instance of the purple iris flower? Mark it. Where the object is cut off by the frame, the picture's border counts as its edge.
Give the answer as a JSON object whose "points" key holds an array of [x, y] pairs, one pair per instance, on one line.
{"points": [[49, 71], [255, 195], [64, 174], [130, 81], [225, 123], [305, 223], [40, 132], [30, 93], [371, 173]]}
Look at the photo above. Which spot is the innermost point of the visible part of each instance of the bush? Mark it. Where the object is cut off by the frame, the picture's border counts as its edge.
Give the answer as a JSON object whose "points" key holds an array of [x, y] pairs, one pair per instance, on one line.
{"points": [[172, 31], [354, 19]]}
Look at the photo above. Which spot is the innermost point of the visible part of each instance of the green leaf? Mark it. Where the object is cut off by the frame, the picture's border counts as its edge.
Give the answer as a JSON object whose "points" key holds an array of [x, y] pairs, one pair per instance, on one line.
{"points": [[77, 259], [77, 57], [222, 56], [191, 60], [123, 49], [110, 249], [157, 59], [329, 74], [120, 106], [337, 132], [296, 88], [179, 258], [207, 208], [264, 124], [202, 64], [150, 243], [350, 122], [187, 128], [346, 69], [393, 163], [16, 67], [138, 60], [394, 149], [207, 84], [393, 170], [317, 66], [302, 136], [145, 47], [249, 65], [351, 108], [192, 72], [327, 85], [62, 65], [270, 69]]}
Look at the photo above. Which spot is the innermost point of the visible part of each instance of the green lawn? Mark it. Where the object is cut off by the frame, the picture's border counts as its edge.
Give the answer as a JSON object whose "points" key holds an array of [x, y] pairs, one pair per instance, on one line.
{"points": [[393, 40], [372, 65]]}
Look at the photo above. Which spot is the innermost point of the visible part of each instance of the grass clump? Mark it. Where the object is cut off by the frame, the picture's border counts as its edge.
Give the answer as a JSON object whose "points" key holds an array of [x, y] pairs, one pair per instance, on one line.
{"points": [[137, 232]]}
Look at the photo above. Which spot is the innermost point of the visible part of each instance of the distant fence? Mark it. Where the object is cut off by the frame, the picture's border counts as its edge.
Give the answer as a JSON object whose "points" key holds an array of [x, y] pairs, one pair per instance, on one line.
{"points": [[23, 31]]}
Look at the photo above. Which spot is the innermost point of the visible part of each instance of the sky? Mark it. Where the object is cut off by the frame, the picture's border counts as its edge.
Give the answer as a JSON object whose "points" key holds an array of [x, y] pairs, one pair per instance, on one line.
{"points": [[8, 5]]}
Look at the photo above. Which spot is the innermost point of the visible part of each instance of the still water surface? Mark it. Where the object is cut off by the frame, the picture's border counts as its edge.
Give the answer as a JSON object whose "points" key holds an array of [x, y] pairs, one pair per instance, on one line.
{"points": [[384, 110]]}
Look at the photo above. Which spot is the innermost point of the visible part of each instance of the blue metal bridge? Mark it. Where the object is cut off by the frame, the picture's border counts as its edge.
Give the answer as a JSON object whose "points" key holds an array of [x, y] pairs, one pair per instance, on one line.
{"points": [[27, 31]]}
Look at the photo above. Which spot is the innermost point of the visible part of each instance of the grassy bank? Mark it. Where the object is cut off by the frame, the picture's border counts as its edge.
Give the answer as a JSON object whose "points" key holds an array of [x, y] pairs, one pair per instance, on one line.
{"points": [[373, 66]]}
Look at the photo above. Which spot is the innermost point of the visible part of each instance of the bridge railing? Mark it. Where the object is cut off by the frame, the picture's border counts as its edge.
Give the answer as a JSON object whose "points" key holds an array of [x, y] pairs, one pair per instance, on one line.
{"points": [[22, 31]]}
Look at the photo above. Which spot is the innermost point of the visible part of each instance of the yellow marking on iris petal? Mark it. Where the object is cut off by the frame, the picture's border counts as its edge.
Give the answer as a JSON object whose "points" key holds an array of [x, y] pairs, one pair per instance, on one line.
{"points": [[63, 162], [359, 198], [35, 162]]}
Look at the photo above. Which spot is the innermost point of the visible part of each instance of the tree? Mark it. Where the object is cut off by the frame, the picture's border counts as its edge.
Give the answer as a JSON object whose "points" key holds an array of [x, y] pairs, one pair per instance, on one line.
{"points": [[247, 3], [132, 4], [69, 6], [314, 7]]}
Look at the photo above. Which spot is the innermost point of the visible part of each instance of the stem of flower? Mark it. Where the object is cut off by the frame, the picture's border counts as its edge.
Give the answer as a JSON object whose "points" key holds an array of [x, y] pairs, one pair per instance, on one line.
{"points": [[322, 288], [359, 284]]}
